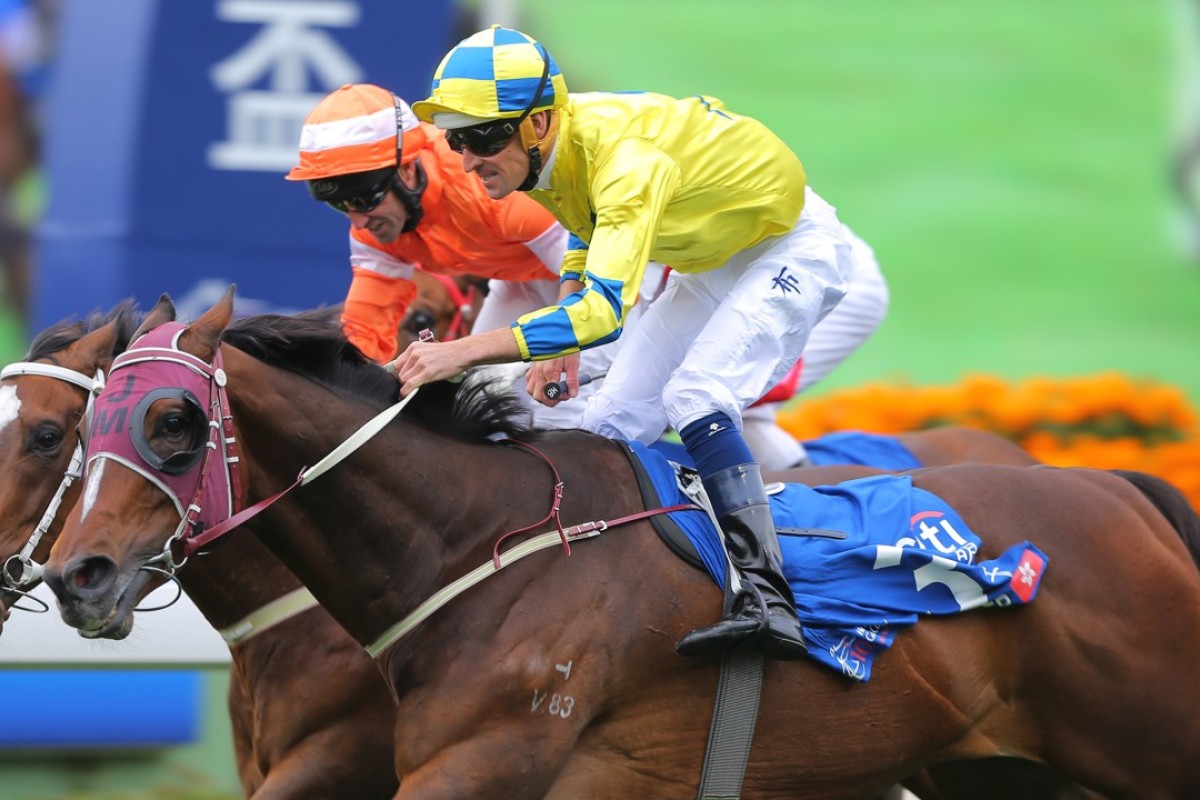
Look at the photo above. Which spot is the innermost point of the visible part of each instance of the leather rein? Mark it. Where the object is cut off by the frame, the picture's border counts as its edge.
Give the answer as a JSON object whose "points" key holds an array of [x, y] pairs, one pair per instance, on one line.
{"points": [[464, 305]]}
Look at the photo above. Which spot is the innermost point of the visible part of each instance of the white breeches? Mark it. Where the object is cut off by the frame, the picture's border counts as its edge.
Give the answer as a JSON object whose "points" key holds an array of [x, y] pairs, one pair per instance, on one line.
{"points": [[842, 332], [717, 340]]}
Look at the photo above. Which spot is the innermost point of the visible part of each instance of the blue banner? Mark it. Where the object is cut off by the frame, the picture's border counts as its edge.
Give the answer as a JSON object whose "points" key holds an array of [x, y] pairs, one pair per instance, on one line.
{"points": [[170, 127], [100, 709]]}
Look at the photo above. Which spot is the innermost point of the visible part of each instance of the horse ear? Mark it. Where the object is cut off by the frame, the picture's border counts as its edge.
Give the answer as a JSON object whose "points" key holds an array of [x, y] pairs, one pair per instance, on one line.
{"points": [[203, 337], [93, 351], [163, 311]]}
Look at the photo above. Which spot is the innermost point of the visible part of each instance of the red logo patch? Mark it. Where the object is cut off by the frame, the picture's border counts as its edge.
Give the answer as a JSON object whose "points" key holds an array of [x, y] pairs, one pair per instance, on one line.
{"points": [[1027, 575]]}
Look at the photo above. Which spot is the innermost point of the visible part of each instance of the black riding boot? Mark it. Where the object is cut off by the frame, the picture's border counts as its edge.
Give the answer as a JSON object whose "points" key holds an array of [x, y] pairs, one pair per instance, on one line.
{"points": [[740, 503]]}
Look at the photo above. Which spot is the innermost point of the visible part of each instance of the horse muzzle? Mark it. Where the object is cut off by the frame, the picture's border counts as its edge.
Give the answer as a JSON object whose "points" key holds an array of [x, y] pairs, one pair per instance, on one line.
{"points": [[93, 598]]}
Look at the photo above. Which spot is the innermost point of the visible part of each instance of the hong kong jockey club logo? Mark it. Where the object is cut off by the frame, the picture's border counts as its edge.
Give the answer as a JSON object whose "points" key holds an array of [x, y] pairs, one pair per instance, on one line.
{"points": [[1028, 574]]}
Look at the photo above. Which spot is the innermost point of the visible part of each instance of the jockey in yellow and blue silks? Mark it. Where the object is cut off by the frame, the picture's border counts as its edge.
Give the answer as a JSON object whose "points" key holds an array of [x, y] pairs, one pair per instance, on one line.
{"points": [[757, 260]]}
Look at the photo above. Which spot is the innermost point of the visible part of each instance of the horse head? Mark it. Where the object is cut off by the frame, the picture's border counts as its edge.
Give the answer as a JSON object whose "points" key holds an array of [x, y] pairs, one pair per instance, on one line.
{"points": [[445, 305], [94, 594], [43, 403], [154, 490], [163, 444], [281, 645]]}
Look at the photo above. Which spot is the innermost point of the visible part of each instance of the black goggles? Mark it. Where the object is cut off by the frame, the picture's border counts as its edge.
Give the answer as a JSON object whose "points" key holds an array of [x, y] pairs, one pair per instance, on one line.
{"points": [[490, 138], [366, 201], [483, 140]]}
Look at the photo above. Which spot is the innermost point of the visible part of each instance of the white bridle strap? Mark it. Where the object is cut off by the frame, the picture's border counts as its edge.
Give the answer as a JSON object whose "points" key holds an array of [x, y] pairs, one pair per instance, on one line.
{"points": [[154, 480], [270, 615], [475, 576], [53, 371], [355, 440], [31, 570]]}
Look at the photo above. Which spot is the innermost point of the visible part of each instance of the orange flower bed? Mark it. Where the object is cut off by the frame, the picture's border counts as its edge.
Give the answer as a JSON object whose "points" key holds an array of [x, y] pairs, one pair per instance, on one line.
{"points": [[1109, 421]]}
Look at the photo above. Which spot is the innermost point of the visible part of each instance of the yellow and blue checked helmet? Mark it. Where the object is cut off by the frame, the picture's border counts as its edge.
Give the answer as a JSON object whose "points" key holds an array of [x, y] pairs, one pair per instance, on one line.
{"points": [[493, 74]]}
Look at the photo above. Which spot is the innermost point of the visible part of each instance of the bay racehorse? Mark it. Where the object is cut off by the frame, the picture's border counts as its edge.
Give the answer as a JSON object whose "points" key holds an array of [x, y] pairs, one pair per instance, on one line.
{"points": [[338, 739], [310, 714], [557, 677]]}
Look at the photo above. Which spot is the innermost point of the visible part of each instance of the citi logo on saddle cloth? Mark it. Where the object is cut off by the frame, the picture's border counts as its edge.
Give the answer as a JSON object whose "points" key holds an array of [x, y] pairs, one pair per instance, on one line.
{"points": [[906, 553]]}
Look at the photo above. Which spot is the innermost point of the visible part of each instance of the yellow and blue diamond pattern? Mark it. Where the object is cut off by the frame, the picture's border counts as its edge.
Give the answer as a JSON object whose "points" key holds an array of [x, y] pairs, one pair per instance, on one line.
{"points": [[493, 74]]}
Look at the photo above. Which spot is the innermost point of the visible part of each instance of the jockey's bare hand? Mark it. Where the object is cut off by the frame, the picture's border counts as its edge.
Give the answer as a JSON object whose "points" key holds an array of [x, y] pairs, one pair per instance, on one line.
{"points": [[551, 371], [425, 362]]}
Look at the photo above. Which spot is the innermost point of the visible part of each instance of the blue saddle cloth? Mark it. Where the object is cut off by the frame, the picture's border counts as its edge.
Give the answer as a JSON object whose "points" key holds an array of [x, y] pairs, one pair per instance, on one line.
{"points": [[845, 447], [856, 447], [906, 553]]}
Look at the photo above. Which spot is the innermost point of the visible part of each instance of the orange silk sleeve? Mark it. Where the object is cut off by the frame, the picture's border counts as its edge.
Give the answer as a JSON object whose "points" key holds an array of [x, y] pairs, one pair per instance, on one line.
{"points": [[374, 308], [521, 218]]}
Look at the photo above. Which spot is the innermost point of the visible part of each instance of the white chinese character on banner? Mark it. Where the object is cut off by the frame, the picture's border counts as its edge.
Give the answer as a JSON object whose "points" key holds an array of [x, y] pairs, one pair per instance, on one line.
{"points": [[264, 124]]}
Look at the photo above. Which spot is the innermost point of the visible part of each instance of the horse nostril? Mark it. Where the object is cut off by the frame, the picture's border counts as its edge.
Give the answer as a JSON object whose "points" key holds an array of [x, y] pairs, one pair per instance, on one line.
{"points": [[91, 577]]}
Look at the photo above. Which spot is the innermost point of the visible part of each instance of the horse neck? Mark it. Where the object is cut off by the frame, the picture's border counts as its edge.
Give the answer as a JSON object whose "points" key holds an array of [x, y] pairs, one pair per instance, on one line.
{"points": [[236, 578], [383, 529]]}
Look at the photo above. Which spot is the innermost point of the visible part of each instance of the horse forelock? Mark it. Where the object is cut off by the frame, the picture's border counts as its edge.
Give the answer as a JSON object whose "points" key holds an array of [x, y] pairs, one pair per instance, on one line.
{"points": [[313, 345], [63, 334]]}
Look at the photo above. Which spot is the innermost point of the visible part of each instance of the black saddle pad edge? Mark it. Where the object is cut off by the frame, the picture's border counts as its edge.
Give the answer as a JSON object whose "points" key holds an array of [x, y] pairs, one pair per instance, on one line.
{"points": [[671, 534]]}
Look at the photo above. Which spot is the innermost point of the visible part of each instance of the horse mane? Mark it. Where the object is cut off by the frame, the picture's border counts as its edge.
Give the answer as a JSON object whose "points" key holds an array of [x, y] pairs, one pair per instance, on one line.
{"points": [[313, 345], [63, 334]]}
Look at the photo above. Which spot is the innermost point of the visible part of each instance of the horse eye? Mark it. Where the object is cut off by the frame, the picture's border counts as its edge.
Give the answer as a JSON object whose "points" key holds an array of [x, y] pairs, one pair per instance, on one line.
{"points": [[47, 441], [174, 425], [419, 320]]}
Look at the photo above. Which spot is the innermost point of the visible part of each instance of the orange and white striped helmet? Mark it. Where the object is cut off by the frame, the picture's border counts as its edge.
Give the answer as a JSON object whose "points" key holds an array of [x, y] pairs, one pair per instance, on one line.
{"points": [[354, 129]]}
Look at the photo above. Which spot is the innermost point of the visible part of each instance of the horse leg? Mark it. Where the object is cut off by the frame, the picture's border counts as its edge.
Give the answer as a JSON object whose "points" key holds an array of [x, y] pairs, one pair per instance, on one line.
{"points": [[316, 768], [242, 727]]}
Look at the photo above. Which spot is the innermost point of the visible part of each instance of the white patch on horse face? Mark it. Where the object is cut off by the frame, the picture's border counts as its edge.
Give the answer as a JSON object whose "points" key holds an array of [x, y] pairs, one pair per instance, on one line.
{"points": [[10, 405], [93, 487]]}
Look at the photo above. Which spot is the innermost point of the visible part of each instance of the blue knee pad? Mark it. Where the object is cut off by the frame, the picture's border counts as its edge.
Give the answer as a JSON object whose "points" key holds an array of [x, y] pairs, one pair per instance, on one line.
{"points": [[715, 444]]}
